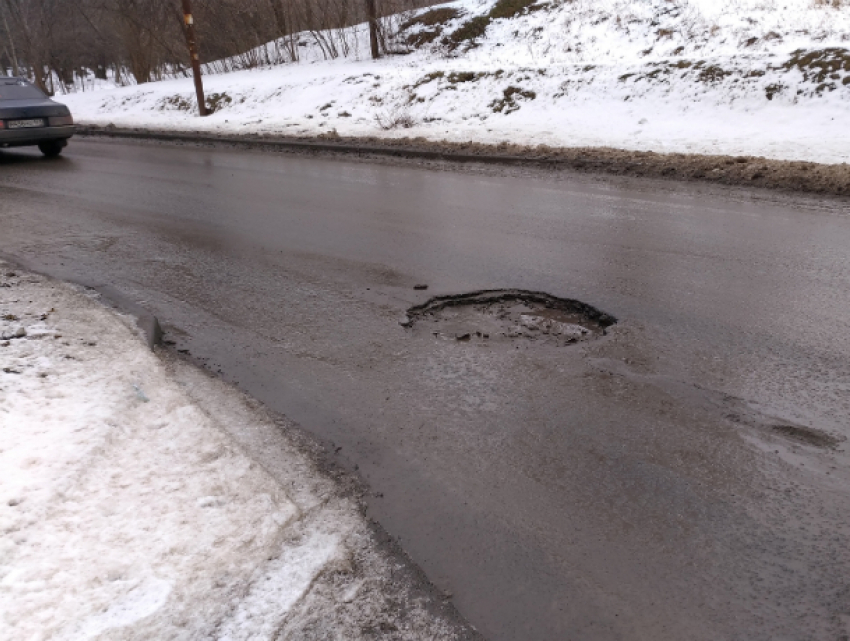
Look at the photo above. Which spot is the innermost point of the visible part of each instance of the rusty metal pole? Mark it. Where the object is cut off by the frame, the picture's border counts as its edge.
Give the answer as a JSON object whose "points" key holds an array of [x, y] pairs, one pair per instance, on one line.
{"points": [[189, 26]]}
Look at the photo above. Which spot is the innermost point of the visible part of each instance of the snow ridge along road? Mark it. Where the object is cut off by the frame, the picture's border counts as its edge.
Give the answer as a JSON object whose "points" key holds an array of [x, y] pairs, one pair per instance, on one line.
{"points": [[142, 499]]}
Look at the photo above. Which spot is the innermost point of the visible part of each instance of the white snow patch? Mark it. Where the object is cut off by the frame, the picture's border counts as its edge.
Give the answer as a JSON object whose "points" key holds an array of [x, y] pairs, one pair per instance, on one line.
{"points": [[283, 582], [123, 517], [140, 602]]}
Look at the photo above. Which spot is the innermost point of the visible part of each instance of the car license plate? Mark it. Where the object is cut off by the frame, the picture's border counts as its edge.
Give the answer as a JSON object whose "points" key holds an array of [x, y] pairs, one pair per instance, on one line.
{"points": [[25, 124]]}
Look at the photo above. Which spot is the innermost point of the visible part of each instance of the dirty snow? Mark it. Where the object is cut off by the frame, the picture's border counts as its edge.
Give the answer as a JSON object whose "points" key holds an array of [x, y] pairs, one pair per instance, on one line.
{"points": [[744, 77], [130, 508]]}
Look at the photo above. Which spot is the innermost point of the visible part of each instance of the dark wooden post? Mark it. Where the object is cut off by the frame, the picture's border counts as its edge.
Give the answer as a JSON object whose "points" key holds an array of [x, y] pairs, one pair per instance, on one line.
{"points": [[189, 28]]}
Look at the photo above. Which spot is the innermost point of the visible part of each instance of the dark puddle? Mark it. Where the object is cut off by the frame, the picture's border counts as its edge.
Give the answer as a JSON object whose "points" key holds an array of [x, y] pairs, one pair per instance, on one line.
{"points": [[508, 315]]}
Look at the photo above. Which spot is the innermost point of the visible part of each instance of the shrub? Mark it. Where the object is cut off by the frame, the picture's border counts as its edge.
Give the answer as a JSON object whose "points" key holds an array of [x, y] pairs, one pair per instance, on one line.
{"points": [[432, 18], [507, 104], [712, 74], [509, 8], [470, 30], [399, 117], [216, 101], [462, 76], [417, 40], [428, 77]]}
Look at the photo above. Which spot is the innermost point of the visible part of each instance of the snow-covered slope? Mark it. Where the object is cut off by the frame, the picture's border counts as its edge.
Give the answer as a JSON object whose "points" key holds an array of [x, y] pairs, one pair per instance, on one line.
{"points": [[757, 77]]}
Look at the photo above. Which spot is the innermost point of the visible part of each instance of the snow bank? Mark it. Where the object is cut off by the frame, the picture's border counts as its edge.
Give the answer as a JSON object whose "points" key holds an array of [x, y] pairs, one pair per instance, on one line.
{"points": [[128, 511], [739, 77]]}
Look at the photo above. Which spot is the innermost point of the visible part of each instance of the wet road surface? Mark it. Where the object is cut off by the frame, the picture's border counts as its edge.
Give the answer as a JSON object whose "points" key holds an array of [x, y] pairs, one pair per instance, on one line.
{"points": [[682, 477]]}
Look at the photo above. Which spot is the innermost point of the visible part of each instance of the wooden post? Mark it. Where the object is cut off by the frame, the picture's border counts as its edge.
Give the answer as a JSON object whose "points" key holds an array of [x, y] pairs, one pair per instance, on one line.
{"points": [[189, 28]]}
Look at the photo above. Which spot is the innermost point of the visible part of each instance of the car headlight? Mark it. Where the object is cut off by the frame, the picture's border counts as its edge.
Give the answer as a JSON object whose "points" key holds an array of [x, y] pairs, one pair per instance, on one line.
{"points": [[60, 121]]}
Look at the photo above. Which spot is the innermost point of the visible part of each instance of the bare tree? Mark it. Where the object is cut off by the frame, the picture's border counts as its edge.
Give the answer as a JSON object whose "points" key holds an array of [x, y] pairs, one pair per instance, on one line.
{"points": [[10, 50], [62, 44], [372, 15]]}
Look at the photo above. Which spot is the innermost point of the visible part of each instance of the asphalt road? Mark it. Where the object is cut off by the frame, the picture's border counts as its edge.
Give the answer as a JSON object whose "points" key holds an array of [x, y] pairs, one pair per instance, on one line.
{"points": [[676, 479]]}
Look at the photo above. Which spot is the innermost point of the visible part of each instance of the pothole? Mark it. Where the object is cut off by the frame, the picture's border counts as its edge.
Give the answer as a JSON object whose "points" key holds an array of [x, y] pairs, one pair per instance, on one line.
{"points": [[508, 315], [807, 435]]}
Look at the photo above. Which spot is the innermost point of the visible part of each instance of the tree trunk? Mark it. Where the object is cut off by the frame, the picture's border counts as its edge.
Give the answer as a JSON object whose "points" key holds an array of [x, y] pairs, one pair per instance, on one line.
{"points": [[372, 12], [15, 66], [279, 18], [33, 53]]}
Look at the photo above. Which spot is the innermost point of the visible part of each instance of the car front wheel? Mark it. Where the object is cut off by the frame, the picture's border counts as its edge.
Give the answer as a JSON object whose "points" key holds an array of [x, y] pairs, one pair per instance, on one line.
{"points": [[52, 148]]}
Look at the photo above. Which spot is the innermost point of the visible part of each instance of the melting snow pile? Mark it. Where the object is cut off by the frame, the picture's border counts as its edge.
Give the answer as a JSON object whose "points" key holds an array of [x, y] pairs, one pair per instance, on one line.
{"points": [[753, 77], [129, 512]]}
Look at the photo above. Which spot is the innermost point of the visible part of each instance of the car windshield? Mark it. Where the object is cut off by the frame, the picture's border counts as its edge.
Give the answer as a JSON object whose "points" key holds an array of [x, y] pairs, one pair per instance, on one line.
{"points": [[18, 90]]}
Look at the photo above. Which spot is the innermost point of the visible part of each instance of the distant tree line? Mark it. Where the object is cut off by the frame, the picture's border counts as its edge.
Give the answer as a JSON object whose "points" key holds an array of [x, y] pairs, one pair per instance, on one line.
{"points": [[63, 42]]}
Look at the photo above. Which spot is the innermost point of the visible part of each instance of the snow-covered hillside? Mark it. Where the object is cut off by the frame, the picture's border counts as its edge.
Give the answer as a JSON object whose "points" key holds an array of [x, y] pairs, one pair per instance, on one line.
{"points": [[754, 77]]}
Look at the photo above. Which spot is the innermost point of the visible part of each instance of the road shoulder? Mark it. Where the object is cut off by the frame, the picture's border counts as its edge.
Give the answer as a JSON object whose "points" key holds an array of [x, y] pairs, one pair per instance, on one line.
{"points": [[144, 498], [741, 171]]}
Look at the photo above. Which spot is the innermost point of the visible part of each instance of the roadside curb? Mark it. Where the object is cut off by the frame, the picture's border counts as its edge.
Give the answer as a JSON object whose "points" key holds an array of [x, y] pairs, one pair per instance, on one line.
{"points": [[353, 148], [147, 322], [741, 171]]}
